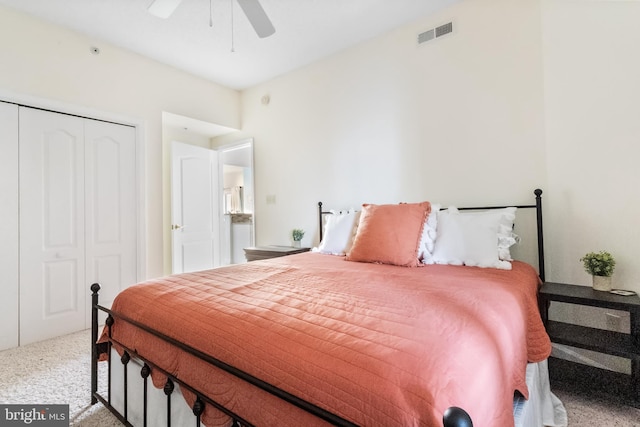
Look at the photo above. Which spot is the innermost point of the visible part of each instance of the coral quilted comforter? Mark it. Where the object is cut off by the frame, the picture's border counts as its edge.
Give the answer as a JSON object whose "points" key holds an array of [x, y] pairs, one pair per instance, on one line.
{"points": [[376, 344]]}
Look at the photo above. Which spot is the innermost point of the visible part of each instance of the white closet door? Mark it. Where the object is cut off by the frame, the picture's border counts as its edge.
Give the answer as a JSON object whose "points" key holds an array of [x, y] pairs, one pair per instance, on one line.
{"points": [[52, 228], [9, 225], [111, 220]]}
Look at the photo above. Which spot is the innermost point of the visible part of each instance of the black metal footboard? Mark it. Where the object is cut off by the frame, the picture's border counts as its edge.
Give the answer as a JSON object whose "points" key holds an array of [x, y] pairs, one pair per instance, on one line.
{"points": [[453, 417]]}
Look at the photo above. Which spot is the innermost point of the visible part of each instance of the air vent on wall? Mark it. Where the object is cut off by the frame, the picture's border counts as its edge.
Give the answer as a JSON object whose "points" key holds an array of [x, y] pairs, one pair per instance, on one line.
{"points": [[435, 33], [426, 36]]}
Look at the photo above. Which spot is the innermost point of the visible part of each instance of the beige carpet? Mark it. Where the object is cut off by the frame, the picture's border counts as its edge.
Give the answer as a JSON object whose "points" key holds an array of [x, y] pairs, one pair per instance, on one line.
{"points": [[58, 371]]}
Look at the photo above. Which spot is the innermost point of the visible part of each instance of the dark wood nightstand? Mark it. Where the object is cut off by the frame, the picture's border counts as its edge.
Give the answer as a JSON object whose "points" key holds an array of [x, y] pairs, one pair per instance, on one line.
{"points": [[602, 341], [265, 252]]}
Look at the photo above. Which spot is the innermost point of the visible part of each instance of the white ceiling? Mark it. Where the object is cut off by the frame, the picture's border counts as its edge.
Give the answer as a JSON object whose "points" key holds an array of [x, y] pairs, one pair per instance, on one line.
{"points": [[306, 30]]}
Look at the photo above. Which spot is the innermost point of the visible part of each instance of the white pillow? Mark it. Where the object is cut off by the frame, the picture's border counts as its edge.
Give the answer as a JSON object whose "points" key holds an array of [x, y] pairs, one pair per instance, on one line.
{"points": [[429, 234], [339, 232], [480, 239]]}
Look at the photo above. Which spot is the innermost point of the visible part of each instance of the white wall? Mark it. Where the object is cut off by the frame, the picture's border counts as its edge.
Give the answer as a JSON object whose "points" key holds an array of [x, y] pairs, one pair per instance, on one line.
{"points": [[592, 111], [533, 93], [458, 121], [40, 61], [592, 89]]}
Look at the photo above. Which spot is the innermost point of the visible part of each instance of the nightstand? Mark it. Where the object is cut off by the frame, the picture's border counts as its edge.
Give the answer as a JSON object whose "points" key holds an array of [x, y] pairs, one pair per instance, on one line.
{"points": [[265, 252], [602, 341]]}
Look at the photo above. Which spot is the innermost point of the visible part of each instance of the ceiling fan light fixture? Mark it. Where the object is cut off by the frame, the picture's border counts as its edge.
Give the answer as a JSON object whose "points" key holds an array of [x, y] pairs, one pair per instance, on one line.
{"points": [[251, 8], [163, 8]]}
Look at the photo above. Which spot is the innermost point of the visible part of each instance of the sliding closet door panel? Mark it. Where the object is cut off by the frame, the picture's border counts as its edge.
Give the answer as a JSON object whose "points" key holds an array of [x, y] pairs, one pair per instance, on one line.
{"points": [[52, 228], [110, 207], [9, 225]]}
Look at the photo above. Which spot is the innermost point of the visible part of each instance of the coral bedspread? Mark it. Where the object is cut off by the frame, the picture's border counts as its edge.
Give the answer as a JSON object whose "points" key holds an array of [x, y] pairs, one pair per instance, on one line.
{"points": [[376, 344]]}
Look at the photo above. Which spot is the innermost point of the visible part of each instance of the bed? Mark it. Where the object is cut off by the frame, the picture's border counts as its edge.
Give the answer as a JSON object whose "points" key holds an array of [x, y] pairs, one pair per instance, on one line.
{"points": [[322, 337]]}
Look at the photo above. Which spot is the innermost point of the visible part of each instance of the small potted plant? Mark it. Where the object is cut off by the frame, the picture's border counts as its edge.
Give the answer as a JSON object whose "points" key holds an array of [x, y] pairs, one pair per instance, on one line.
{"points": [[297, 235], [600, 266]]}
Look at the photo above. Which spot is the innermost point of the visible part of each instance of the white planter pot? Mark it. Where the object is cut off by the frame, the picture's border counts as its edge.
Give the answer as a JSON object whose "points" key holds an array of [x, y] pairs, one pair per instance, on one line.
{"points": [[602, 283]]}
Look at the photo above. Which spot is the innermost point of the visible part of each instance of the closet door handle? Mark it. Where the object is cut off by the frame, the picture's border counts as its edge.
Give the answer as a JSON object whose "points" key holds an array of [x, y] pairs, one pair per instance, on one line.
{"points": [[176, 226]]}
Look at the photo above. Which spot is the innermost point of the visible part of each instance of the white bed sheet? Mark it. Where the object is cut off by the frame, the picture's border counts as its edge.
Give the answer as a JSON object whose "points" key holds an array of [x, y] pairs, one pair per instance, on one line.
{"points": [[543, 408]]}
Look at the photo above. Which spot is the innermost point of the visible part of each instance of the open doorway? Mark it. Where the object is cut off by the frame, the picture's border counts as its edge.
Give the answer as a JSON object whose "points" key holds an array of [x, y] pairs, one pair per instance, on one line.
{"points": [[196, 234], [237, 201]]}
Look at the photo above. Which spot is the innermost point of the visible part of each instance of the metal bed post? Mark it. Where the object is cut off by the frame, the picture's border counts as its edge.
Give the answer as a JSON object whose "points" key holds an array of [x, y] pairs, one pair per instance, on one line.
{"points": [[125, 371], [144, 373], [320, 219], [168, 390], [198, 409], [538, 193], [109, 323], [94, 342]]}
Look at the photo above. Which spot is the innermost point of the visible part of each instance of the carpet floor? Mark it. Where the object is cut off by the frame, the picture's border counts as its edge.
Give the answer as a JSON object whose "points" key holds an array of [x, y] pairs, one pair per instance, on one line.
{"points": [[57, 371]]}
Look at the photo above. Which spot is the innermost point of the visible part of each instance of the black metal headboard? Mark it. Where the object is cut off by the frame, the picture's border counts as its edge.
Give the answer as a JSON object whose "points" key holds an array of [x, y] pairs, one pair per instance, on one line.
{"points": [[537, 206]]}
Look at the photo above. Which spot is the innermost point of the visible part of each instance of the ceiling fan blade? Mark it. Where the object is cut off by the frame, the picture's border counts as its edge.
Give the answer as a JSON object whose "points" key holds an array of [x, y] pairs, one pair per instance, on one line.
{"points": [[163, 8], [258, 18]]}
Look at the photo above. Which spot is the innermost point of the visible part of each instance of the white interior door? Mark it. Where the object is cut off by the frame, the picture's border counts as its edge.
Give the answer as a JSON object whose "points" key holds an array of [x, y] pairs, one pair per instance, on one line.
{"points": [[78, 219], [111, 212], [52, 280], [9, 225], [194, 205]]}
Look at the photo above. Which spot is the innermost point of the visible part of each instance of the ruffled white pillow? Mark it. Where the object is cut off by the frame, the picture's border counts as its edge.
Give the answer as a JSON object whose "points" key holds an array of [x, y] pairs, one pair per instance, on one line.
{"points": [[480, 239], [339, 232], [429, 235]]}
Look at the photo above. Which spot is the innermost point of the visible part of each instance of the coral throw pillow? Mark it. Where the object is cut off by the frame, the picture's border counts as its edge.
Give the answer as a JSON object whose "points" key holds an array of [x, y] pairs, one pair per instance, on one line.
{"points": [[389, 234]]}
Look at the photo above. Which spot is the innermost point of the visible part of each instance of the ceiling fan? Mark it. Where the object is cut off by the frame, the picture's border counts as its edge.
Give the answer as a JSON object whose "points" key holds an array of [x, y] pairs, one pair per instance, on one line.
{"points": [[251, 8]]}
